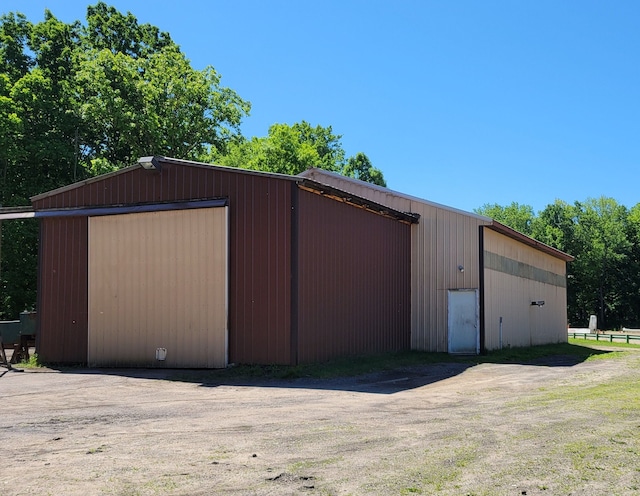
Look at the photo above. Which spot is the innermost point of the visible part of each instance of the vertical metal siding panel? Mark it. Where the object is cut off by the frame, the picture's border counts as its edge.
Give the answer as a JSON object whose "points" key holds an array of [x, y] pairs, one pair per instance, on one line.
{"points": [[260, 230], [354, 280], [63, 275], [138, 284], [259, 274]]}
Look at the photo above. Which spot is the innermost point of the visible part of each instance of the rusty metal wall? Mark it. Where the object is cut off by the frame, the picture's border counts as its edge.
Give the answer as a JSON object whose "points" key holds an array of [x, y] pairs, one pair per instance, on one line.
{"points": [[62, 290], [354, 283], [259, 252]]}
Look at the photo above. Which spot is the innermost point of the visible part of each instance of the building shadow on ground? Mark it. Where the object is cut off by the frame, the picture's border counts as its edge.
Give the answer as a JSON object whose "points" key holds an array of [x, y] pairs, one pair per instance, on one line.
{"points": [[385, 374]]}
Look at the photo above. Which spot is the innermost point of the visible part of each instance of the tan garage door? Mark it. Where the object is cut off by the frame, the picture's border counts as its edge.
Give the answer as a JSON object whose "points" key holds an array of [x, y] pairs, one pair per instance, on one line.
{"points": [[158, 281]]}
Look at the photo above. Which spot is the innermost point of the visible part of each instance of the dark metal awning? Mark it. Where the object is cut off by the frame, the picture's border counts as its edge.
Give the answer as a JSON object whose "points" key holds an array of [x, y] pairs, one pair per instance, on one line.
{"points": [[7, 213]]}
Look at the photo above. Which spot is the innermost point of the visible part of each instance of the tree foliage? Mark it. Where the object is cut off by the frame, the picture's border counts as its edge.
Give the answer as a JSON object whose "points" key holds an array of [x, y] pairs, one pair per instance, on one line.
{"points": [[516, 216], [291, 149], [81, 99], [360, 167], [286, 150], [77, 99]]}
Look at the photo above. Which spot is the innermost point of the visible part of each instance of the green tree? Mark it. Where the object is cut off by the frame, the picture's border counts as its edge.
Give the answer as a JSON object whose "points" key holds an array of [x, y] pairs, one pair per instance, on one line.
{"points": [[138, 95], [360, 167], [516, 216], [77, 100], [631, 272], [291, 149], [556, 227], [596, 232], [286, 150]]}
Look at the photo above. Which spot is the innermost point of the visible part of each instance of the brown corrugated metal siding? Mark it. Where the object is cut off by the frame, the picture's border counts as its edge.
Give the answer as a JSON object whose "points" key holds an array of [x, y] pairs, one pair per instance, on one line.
{"points": [[62, 290], [354, 281], [259, 258]]}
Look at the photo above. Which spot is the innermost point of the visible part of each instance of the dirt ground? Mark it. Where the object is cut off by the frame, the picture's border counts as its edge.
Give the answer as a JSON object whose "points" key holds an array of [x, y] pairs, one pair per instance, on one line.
{"points": [[488, 429]]}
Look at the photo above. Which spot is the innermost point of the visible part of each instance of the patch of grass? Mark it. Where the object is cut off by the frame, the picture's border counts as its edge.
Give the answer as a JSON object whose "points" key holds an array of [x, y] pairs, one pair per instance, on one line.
{"points": [[358, 365], [531, 354], [617, 399], [32, 363], [606, 344], [410, 490], [447, 467], [307, 464], [599, 458], [99, 449]]}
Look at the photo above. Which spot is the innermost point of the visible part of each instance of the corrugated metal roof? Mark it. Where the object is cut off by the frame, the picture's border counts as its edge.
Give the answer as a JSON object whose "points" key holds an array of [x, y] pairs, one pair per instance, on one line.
{"points": [[337, 194]]}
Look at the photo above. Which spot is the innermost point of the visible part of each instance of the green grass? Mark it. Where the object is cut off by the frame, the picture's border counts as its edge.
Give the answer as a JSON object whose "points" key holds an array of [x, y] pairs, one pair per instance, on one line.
{"points": [[32, 363], [359, 365], [593, 342]]}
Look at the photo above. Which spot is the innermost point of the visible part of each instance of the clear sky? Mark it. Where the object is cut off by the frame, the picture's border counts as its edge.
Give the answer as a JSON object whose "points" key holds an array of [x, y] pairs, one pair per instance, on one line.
{"points": [[459, 102]]}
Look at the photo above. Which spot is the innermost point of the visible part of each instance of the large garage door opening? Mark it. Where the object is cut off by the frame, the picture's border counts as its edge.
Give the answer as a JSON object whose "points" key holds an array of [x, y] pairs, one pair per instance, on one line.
{"points": [[158, 289]]}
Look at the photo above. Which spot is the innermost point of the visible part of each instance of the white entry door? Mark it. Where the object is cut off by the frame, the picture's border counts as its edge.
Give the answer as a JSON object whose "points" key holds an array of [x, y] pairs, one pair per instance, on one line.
{"points": [[464, 321]]}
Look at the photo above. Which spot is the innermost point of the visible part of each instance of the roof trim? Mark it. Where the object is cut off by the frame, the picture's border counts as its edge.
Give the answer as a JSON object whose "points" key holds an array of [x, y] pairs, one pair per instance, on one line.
{"points": [[8, 213], [357, 201], [310, 172], [130, 209], [79, 184], [523, 238]]}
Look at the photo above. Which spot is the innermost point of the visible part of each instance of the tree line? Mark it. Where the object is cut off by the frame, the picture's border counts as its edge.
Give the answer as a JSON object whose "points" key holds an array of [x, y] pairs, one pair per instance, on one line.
{"points": [[85, 98], [604, 238]]}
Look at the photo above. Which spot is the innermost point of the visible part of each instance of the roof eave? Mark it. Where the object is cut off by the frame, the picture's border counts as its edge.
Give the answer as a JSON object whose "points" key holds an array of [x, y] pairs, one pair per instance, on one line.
{"points": [[314, 170]]}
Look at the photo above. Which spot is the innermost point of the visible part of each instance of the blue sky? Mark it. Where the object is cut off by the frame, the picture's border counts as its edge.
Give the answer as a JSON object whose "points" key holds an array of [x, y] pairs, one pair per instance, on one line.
{"points": [[460, 102]]}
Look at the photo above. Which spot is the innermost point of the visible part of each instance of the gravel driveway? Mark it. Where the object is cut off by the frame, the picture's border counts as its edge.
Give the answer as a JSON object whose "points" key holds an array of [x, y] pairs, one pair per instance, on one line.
{"points": [[440, 429]]}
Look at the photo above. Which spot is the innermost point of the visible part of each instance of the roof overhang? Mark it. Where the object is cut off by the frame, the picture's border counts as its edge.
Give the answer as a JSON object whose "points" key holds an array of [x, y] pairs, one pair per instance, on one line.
{"points": [[343, 196], [131, 209], [7, 213], [316, 174]]}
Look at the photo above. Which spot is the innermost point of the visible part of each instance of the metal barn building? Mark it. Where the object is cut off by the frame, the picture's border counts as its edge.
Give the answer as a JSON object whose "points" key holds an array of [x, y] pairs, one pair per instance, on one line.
{"points": [[181, 264], [476, 284]]}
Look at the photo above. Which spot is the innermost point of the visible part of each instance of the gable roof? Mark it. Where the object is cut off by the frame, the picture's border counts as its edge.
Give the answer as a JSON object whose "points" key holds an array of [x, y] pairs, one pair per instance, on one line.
{"points": [[155, 163]]}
